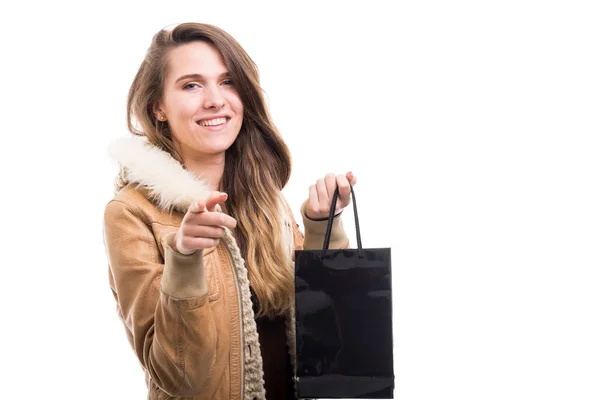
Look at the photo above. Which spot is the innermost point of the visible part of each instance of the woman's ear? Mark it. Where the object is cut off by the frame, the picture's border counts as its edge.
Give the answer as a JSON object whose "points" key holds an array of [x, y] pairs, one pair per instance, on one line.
{"points": [[158, 113]]}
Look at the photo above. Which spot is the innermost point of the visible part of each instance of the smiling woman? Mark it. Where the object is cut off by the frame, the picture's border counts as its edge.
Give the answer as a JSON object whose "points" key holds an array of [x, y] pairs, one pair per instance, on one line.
{"points": [[199, 238], [199, 103]]}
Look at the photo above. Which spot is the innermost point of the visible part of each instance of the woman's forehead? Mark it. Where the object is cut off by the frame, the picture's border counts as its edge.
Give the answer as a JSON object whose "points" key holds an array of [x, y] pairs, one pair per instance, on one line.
{"points": [[198, 58]]}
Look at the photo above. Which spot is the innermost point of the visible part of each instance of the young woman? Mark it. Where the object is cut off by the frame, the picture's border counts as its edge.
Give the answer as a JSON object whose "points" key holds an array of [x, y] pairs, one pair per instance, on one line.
{"points": [[199, 239]]}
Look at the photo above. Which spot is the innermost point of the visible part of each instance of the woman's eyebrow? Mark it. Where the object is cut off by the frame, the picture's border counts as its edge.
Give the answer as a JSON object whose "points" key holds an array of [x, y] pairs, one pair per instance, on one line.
{"points": [[200, 77]]}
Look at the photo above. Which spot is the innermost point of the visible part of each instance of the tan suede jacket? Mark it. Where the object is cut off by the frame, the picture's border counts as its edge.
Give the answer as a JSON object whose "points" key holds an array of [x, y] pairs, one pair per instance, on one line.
{"points": [[189, 319]]}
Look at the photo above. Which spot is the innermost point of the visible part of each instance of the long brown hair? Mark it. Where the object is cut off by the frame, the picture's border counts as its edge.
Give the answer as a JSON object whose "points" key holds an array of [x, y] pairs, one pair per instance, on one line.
{"points": [[257, 165]]}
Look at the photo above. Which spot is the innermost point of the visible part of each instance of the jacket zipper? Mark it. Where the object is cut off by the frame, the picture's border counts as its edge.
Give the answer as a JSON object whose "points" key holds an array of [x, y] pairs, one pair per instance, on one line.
{"points": [[240, 315]]}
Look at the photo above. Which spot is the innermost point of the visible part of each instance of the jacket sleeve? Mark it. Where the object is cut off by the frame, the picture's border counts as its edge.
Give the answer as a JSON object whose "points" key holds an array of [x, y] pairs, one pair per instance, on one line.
{"points": [[163, 305], [314, 233]]}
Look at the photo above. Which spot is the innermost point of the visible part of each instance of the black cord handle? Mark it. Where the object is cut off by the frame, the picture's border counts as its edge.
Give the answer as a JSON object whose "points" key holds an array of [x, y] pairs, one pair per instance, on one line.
{"points": [[330, 222]]}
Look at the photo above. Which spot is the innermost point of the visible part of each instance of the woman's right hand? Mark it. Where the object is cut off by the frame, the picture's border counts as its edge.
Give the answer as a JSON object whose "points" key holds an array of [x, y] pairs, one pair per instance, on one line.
{"points": [[202, 226]]}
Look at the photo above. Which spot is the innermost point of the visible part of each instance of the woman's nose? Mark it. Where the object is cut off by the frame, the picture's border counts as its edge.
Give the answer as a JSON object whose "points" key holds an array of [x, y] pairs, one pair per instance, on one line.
{"points": [[213, 98]]}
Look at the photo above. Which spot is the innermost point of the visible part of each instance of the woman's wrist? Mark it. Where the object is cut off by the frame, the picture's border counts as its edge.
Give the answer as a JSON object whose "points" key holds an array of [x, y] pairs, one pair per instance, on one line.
{"points": [[323, 219]]}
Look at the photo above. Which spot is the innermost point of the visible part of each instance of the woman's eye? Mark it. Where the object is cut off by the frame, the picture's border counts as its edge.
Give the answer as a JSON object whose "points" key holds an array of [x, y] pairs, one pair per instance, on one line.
{"points": [[228, 82], [191, 86]]}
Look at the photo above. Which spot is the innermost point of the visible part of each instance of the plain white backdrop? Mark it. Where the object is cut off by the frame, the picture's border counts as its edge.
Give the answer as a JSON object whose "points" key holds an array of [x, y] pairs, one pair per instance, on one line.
{"points": [[473, 128]]}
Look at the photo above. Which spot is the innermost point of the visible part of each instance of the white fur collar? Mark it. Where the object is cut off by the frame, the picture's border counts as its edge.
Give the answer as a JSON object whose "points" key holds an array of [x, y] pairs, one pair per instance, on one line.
{"points": [[168, 183]]}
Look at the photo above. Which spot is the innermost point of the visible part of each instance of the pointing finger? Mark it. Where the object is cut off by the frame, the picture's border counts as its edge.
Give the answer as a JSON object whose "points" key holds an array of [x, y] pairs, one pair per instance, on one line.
{"points": [[214, 199]]}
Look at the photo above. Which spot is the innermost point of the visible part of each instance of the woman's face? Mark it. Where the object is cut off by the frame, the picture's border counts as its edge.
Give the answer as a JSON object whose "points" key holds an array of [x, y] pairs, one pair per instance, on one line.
{"points": [[201, 106]]}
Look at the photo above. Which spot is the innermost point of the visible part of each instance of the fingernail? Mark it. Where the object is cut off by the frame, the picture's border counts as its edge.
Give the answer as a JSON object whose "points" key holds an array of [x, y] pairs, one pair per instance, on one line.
{"points": [[224, 194]]}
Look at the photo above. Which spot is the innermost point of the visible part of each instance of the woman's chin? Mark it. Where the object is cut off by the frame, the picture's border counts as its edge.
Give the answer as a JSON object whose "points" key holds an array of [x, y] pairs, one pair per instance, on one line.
{"points": [[213, 148]]}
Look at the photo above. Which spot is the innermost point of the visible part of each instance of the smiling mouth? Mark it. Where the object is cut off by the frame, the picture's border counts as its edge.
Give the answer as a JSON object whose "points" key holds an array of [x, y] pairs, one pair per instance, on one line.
{"points": [[215, 122]]}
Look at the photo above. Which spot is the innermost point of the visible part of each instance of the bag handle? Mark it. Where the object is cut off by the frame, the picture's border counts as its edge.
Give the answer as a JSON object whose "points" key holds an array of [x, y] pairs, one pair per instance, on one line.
{"points": [[330, 222]]}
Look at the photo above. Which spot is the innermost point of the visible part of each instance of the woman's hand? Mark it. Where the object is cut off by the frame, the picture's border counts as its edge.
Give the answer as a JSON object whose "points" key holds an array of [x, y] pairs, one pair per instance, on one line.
{"points": [[202, 226], [321, 194]]}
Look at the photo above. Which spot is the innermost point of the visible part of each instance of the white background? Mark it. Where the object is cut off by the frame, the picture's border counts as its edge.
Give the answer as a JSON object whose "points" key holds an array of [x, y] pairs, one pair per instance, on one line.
{"points": [[473, 128]]}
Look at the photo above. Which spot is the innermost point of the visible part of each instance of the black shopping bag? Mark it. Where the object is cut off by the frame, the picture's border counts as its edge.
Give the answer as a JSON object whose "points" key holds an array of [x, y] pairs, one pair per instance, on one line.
{"points": [[344, 320]]}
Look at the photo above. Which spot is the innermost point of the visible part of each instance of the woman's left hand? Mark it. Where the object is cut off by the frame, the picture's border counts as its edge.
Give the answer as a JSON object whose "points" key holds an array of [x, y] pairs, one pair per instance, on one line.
{"points": [[321, 194]]}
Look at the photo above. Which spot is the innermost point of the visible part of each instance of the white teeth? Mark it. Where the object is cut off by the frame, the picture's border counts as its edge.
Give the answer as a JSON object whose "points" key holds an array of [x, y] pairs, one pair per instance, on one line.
{"points": [[213, 122]]}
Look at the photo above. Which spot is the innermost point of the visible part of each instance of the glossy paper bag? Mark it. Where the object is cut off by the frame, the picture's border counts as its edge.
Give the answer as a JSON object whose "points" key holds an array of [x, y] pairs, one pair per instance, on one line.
{"points": [[344, 321]]}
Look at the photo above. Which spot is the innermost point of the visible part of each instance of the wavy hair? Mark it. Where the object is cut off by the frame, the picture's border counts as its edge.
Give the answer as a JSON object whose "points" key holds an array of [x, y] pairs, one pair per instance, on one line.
{"points": [[257, 165]]}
